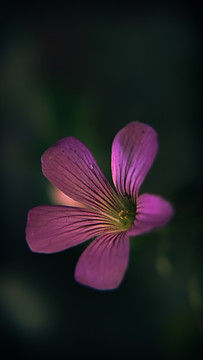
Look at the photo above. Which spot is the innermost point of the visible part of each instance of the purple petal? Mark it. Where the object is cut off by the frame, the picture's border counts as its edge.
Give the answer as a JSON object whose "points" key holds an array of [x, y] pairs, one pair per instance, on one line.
{"points": [[55, 228], [133, 151], [70, 166], [152, 212], [102, 265]]}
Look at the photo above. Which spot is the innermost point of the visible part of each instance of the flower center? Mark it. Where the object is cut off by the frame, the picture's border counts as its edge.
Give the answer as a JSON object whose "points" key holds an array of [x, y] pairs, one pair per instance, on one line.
{"points": [[127, 216], [121, 215]]}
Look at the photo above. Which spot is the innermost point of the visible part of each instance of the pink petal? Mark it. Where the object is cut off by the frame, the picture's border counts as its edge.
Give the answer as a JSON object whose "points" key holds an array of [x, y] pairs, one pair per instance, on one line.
{"points": [[55, 228], [102, 265], [133, 152], [59, 198], [70, 166], [152, 212]]}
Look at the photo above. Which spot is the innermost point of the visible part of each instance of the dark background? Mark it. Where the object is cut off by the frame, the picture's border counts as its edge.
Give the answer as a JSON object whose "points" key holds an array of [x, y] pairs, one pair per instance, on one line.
{"points": [[88, 70]]}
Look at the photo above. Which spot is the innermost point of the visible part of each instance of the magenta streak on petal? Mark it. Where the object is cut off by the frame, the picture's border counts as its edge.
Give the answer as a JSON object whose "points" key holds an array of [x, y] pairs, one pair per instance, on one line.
{"points": [[103, 264], [70, 166], [152, 212], [133, 152], [55, 228]]}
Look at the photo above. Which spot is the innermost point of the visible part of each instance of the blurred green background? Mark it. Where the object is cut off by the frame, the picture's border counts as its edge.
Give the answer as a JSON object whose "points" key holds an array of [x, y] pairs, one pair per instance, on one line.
{"points": [[87, 72]]}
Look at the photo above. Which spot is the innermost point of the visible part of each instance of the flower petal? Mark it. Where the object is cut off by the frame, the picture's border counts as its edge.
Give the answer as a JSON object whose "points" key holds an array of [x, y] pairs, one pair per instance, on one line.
{"points": [[133, 151], [55, 228], [152, 212], [70, 166], [59, 198], [102, 265]]}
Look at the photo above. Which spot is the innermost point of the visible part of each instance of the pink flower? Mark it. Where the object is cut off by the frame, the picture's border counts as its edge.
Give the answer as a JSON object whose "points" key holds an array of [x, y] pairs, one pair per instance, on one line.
{"points": [[109, 216]]}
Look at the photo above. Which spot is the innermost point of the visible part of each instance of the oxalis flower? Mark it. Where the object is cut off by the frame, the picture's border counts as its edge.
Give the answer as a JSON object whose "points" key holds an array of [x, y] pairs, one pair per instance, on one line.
{"points": [[109, 217]]}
